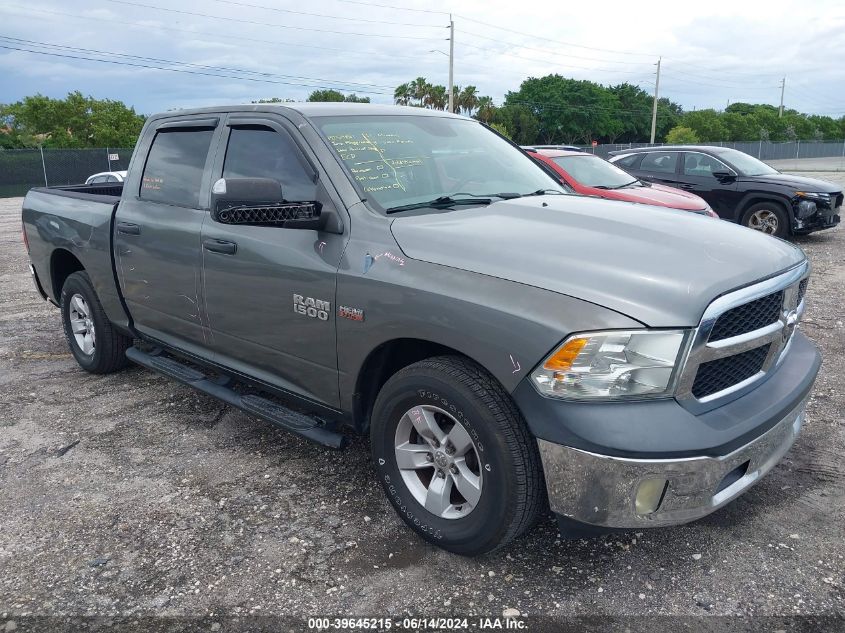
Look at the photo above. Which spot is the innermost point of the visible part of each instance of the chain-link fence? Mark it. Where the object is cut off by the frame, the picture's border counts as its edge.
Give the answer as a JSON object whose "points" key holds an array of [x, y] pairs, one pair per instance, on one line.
{"points": [[22, 169], [764, 150]]}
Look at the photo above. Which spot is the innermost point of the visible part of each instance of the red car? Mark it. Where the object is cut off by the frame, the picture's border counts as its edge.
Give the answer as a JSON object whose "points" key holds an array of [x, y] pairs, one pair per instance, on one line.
{"points": [[590, 175]]}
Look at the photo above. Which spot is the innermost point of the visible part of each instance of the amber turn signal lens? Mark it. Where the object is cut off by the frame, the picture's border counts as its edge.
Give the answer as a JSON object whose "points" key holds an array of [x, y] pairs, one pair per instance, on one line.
{"points": [[563, 358]]}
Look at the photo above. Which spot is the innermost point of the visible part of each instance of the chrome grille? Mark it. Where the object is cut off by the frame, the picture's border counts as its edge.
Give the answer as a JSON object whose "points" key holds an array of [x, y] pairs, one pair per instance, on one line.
{"points": [[742, 336], [748, 317], [717, 375]]}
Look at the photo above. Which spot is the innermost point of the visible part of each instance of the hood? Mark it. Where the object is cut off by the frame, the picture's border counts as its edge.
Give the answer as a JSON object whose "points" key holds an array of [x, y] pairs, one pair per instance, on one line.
{"points": [[659, 195], [799, 183], [659, 266]]}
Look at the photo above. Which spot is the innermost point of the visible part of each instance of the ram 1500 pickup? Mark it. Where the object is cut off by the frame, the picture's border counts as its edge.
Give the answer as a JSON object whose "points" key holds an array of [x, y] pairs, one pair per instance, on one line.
{"points": [[412, 275]]}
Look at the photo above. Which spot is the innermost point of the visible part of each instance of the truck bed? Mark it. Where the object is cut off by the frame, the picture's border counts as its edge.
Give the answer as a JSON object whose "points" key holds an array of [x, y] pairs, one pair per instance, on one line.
{"points": [[70, 228], [103, 192]]}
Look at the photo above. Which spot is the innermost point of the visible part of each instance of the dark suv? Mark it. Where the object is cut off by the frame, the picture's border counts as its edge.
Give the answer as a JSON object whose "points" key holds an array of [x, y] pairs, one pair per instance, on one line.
{"points": [[739, 187]]}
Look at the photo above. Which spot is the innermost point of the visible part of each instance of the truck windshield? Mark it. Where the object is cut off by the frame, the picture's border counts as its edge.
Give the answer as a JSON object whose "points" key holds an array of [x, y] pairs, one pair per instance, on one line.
{"points": [[407, 160]]}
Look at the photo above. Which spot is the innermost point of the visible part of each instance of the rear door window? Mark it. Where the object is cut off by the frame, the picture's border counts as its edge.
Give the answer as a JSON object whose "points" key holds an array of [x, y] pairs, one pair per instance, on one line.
{"points": [[175, 164], [660, 162], [260, 152]]}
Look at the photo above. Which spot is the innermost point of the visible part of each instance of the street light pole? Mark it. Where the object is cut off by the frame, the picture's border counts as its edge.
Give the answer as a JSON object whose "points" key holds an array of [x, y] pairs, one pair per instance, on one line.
{"points": [[451, 63], [782, 87], [654, 106]]}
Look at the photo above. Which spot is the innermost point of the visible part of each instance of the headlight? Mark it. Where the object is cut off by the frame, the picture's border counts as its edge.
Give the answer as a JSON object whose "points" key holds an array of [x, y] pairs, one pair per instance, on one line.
{"points": [[814, 195], [611, 365], [806, 208]]}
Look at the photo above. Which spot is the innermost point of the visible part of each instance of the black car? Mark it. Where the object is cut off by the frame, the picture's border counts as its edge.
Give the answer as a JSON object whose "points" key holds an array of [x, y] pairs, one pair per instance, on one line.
{"points": [[739, 187]]}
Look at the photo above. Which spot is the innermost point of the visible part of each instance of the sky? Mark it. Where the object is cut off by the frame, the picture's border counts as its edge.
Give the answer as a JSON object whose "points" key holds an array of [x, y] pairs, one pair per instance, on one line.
{"points": [[713, 52]]}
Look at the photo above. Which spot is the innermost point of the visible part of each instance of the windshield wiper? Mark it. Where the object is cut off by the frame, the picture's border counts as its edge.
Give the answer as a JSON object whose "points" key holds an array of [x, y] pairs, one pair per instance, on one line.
{"points": [[444, 202], [627, 184], [543, 192]]}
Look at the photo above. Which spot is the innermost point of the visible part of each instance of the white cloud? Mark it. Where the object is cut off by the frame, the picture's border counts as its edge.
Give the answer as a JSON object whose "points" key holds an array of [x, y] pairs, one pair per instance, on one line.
{"points": [[712, 52]]}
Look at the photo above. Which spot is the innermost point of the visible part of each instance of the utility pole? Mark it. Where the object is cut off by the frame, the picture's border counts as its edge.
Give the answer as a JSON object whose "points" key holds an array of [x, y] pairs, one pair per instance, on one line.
{"points": [[654, 107], [782, 86], [451, 63]]}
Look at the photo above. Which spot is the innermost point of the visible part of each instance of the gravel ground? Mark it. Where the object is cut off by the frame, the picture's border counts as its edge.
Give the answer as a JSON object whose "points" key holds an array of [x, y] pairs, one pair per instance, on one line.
{"points": [[130, 494]]}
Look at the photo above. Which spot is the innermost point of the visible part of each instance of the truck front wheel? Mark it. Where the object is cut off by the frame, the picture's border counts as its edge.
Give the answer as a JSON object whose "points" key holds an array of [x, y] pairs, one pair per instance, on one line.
{"points": [[455, 457], [92, 340]]}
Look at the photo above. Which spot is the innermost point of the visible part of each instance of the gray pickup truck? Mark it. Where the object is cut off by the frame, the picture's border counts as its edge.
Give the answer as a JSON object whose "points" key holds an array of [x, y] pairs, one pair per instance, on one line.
{"points": [[412, 275]]}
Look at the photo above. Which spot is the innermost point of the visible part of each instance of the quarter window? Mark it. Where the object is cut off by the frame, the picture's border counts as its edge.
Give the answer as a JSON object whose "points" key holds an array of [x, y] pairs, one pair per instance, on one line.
{"points": [[258, 152], [660, 162], [174, 169]]}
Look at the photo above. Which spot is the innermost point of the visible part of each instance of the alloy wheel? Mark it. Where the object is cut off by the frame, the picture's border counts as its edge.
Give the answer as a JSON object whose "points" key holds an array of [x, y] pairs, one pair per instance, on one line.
{"points": [[438, 461], [765, 221], [82, 325]]}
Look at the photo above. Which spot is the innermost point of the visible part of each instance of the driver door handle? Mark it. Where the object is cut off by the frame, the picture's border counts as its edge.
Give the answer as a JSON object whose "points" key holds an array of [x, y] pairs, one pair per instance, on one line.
{"points": [[220, 246]]}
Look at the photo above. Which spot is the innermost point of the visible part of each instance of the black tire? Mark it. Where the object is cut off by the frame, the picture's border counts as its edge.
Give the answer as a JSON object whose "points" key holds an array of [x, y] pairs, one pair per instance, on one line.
{"points": [[512, 494], [109, 353], [776, 209]]}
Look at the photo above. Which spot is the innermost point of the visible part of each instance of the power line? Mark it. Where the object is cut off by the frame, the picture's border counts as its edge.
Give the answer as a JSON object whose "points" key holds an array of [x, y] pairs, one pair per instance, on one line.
{"points": [[324, 15], [546, 61], [547, 39], [549, 51], [90, 51], [225, 36], [395, 8], [269, 24], [178, 70]]}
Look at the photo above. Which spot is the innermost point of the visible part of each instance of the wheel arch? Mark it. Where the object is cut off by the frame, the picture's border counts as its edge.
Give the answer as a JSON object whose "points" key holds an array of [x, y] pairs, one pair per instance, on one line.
{"points": [[387, 359], [63, 264], [756, 197]]}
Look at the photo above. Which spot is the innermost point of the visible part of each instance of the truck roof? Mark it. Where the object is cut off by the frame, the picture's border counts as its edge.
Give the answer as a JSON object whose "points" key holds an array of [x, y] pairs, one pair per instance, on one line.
{"points": [[316, 109]]}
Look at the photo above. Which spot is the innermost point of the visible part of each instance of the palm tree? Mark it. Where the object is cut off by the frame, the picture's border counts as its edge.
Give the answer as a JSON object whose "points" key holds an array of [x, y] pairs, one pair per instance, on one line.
{"points": [[468, 99], [437, 98], [486, 109], [403, 94], [420, 89]]}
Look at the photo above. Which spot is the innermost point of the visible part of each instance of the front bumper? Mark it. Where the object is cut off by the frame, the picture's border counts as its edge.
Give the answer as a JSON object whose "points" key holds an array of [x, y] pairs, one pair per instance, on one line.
{"points": [[597, 455], [601, 490]]}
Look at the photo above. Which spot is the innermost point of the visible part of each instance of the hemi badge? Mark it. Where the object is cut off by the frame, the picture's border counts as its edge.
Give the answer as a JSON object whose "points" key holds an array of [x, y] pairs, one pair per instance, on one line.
{"points": [[353, 314]]}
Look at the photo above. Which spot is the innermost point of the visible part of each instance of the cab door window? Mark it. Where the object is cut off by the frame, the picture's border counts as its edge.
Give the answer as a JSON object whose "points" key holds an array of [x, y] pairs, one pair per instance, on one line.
{"points": [[175, 164], [260, 152], [696, 164]]}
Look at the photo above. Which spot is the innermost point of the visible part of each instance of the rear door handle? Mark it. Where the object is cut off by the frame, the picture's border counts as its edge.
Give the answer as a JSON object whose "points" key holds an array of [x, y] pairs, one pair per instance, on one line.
{"points": [[220, 246], [127, 228]]}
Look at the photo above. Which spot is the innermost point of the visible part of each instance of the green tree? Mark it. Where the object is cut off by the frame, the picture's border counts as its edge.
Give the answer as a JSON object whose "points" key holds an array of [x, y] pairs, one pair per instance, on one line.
{"points": [[353, 98], [634, 113], [681, 136], [568, 109], [707, 125], [486, 109], [326, 95], [75, 121], [274, 100], [501, 129], [403, 95], [522, 126]]}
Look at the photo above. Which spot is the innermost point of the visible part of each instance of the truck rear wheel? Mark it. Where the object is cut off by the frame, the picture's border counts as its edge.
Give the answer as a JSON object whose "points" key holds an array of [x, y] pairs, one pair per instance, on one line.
{"points": [[455, 457], [93, 342]]}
